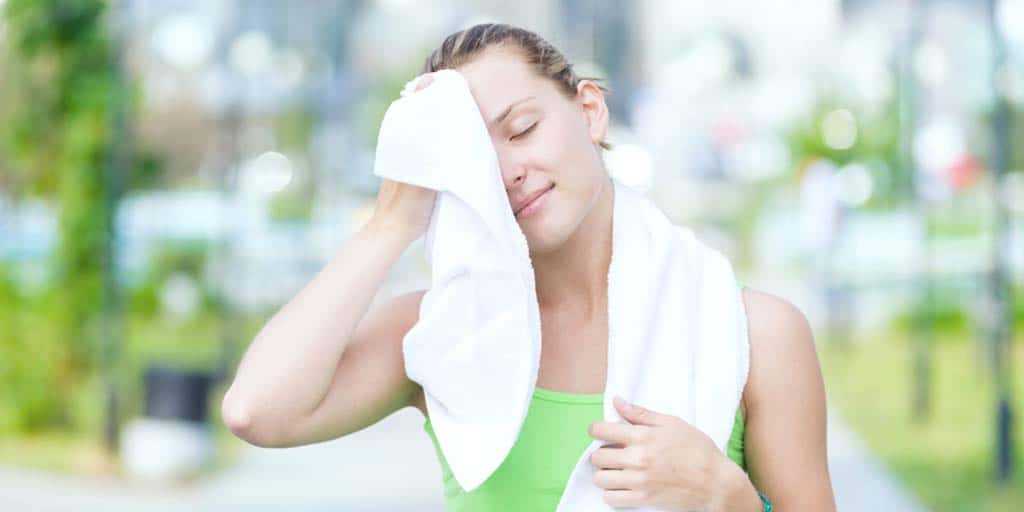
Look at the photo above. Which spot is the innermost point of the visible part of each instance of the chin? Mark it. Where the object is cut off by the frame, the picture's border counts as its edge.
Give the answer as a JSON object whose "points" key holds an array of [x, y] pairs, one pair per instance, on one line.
{"points": [[545, 237]]}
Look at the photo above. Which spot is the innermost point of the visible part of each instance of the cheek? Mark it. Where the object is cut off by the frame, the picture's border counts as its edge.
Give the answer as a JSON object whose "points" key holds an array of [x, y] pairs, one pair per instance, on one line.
{"points": [[574, 136], [575, 145], [560, 150], [566, 157]]}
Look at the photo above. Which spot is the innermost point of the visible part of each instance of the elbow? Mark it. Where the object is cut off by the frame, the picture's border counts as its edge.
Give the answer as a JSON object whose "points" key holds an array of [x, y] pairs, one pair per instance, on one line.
{"points": [[236, 417], [240, 420]]}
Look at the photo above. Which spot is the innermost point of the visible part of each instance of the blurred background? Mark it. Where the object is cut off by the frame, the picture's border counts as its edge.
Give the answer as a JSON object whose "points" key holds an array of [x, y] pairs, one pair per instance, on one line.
{"points": [[173, 171]]}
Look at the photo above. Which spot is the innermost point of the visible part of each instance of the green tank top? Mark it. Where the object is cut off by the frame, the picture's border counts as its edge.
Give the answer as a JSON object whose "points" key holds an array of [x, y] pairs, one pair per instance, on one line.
{"points": [[537, 468]]}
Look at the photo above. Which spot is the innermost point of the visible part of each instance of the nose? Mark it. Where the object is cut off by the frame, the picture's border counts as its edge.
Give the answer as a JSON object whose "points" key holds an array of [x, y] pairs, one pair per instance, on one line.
{"points": [[514, 178]]}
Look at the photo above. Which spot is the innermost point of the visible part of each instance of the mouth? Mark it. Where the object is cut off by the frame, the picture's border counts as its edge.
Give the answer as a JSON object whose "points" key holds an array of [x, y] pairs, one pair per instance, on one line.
{"points": [[533, 204]]}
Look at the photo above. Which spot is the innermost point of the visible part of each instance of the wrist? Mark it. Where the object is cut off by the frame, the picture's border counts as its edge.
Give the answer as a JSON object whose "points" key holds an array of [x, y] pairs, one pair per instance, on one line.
{"points": [[738, 493]]}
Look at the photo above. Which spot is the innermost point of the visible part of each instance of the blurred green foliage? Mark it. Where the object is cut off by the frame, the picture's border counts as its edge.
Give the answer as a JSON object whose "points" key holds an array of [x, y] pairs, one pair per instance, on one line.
{"points": [[30, 369], [64, 104], [876, 147], [948, 461], [950, 313], [169, 258], [292, 205], [59, 133], [947, 313], [35, 400], [294, 127]]}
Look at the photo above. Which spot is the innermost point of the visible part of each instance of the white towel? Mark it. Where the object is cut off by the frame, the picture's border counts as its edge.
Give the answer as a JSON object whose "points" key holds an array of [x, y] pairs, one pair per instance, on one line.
{"points": [[677, 340]]}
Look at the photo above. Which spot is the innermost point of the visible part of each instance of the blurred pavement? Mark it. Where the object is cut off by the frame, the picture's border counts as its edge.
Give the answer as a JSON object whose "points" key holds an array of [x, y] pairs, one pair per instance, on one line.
{"points": [[859, 481]]}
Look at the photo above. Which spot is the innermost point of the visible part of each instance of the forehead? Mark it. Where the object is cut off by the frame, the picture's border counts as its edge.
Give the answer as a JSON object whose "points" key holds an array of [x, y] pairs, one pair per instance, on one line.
{"points": [[498, 77]]}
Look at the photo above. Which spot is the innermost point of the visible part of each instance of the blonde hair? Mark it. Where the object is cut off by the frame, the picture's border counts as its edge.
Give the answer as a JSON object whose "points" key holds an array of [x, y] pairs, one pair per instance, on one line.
{"points": [[465, 45]]}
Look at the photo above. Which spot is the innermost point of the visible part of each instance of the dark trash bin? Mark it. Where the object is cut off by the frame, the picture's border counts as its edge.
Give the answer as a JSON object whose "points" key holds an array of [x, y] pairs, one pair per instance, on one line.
{"points": [[177, 394], [173, 439]]}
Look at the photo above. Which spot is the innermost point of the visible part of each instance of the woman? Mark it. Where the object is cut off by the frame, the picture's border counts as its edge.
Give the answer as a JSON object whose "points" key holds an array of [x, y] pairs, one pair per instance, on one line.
{"points": [[337, 366]]}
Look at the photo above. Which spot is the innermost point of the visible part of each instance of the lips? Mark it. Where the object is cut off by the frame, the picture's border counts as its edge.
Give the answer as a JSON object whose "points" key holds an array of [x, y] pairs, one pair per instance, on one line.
{"points": [[530, 198]]}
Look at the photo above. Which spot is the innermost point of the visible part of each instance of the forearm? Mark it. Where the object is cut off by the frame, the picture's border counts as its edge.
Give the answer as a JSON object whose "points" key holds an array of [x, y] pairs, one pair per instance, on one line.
{"points": [[288, 367]]}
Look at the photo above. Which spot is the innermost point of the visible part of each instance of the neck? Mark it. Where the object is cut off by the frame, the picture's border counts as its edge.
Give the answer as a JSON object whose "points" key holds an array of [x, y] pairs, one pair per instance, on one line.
{"points": [[576, 274]]}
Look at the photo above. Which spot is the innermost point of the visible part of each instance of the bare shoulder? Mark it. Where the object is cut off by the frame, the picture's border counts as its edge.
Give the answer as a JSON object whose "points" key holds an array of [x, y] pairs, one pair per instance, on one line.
{"points": [[781, 342], [767, 312], [785, 440]]}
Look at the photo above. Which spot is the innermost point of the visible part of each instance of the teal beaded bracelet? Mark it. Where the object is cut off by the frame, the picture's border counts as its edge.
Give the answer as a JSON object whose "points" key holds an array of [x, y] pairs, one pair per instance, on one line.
{"points": [[766, 501]]}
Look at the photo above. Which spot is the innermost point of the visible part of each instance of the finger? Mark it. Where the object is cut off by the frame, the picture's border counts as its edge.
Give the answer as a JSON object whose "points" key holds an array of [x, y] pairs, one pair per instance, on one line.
{"points": [[609, 458], [617, 479], [617, 432], [634, 457], [638, 415], [623, 498], [425, 81]]}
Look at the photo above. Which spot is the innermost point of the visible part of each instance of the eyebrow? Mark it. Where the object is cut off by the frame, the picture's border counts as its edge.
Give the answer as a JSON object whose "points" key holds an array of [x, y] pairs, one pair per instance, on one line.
{"points": [[508, 111]]}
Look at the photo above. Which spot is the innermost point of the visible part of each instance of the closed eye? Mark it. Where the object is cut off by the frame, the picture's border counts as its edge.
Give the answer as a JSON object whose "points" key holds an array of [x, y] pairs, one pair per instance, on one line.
{"points": [[526, 131]]}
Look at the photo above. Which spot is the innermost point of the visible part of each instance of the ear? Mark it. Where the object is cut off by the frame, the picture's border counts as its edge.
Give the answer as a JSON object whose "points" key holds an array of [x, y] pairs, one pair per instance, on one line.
{"points": [[595, 111]]}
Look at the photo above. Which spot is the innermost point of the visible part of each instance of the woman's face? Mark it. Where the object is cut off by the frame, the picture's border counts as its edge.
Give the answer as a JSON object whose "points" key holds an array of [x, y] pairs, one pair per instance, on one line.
{"points": [[546, 144]]}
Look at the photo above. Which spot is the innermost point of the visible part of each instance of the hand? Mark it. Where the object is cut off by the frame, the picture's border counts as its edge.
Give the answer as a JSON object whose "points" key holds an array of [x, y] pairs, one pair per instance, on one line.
{"points": [[659, 460], [404, 207]]}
